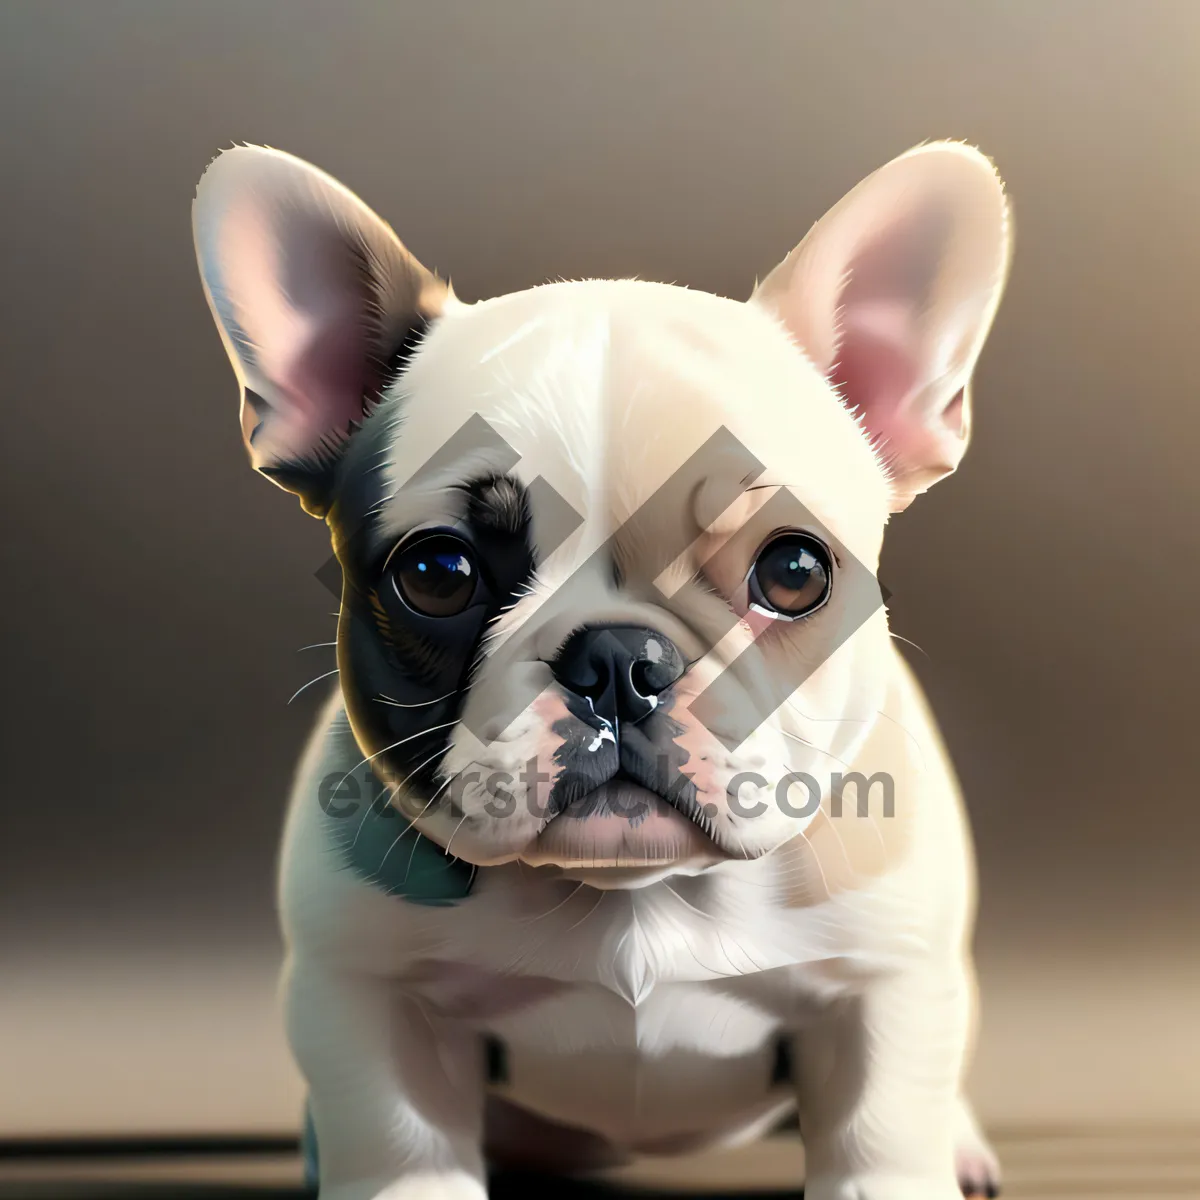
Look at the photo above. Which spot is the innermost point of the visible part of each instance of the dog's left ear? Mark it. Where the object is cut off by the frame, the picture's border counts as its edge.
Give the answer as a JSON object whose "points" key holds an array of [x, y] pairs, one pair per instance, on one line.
{"points": [[892, 294], [315, 297]]}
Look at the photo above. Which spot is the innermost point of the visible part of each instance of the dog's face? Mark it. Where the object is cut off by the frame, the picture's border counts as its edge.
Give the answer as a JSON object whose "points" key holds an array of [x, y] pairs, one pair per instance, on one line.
{"points": [[608, 548]]}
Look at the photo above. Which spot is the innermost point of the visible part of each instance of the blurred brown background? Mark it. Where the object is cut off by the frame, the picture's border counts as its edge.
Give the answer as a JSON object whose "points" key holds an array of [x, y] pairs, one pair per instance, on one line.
{"points": [[157, 591]]}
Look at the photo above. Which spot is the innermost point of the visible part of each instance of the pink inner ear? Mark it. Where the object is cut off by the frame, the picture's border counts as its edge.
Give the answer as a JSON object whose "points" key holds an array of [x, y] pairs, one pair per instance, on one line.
{"points": [[324, 379], [876, 371], [890, 295], [302, 307]]}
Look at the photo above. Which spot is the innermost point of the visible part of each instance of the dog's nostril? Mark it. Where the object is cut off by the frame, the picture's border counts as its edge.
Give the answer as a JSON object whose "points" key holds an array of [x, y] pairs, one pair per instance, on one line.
{"points": [[595, 688], [641, 675]]}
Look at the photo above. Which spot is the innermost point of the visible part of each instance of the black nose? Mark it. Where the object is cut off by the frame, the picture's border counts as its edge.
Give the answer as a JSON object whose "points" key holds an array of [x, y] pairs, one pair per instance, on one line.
{"points": [[619, 669]]}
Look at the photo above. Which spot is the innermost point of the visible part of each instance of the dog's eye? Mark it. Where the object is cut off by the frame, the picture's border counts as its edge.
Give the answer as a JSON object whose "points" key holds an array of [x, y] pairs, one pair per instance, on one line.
{"points": [[436, 576], [791, 577]]}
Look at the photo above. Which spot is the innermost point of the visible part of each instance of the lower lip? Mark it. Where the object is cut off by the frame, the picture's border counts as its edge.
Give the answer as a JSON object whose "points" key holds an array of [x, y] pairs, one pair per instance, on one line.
{"points": [[621, 825]]}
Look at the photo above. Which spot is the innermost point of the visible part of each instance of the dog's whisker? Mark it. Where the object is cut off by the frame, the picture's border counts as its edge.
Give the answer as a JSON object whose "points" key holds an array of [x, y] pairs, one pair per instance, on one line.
{"points": [[412, 854], [315, 646], [840, 720], [428, 805], [448, 781], [588, 913], [387, 853], [311, 682], [412, 825], [813, 746], [422, 765], [566, 900], [384, 699], [909, 642], [908, 733], [397, 840], [457, 827], [837, 833], [371, 757]]}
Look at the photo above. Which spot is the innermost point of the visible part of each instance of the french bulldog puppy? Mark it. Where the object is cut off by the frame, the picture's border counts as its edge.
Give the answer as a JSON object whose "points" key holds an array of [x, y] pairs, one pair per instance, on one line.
{"points": [[571, 872]]}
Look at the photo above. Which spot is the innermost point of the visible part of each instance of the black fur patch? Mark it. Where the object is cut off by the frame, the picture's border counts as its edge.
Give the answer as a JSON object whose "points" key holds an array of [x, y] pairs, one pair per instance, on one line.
{"points": [[404, 675], [498, 503]]}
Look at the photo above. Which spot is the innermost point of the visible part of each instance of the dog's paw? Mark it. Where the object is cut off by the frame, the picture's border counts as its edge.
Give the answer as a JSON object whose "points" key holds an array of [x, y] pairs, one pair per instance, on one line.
{"points": [[974, 1159], [881, 1187], [978, 1170]]}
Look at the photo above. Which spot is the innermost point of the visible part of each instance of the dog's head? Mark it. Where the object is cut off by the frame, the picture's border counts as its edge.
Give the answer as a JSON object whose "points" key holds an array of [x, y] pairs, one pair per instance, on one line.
{"points": [[608, 547]]}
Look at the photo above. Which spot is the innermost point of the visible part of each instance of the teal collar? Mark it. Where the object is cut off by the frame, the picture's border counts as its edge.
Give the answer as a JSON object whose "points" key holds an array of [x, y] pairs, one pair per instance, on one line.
{"points": [[379, 844]]}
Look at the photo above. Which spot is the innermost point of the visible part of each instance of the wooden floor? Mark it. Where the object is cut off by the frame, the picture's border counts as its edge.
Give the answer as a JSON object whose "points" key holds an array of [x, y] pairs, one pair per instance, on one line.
{"points": [[1040, 1164]]}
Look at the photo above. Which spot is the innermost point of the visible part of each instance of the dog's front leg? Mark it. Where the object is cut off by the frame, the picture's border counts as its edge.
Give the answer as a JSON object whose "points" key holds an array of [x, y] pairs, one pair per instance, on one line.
{"points": [[396, 1091], [878, 1081]]}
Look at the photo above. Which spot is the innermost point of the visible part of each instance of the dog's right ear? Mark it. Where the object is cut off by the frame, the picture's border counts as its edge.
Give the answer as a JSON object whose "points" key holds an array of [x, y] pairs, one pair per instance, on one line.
{"points": [[891, 295], [315, 297]]}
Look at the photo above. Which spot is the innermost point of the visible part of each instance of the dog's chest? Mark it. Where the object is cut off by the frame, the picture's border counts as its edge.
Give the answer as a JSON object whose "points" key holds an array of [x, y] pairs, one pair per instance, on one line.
{"points": [[684, 1058], [633, 1015]]}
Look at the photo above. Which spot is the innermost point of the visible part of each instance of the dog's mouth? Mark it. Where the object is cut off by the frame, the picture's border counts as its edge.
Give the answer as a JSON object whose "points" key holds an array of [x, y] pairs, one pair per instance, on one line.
{"points": [[624, 798], [621, 823]]}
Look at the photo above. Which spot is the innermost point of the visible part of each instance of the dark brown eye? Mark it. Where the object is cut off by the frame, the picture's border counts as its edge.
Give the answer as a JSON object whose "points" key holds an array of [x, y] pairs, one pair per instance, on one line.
{"points": [[791, 577], [436, 576]]}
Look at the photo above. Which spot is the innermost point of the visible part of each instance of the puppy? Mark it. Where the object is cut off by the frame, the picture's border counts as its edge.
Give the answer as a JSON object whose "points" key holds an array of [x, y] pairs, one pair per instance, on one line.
{"points": [[571, 871]]}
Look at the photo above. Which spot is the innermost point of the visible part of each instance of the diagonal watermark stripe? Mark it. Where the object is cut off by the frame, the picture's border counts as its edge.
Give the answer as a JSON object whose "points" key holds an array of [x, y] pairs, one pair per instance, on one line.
{"points": [[749, 689], [752, 687], [474, 440]]}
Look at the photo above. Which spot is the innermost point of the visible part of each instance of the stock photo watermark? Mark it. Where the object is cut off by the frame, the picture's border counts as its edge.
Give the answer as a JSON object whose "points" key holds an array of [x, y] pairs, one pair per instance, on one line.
{"points": [[749, 794]]}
